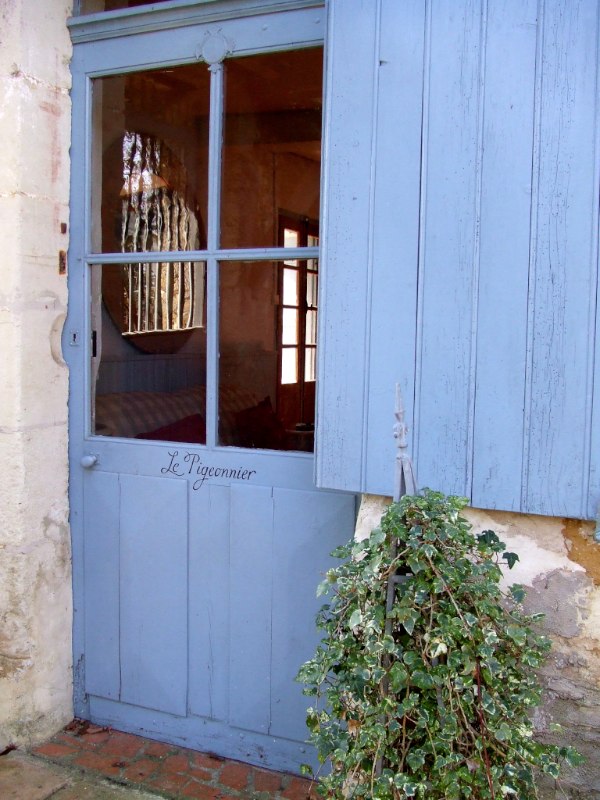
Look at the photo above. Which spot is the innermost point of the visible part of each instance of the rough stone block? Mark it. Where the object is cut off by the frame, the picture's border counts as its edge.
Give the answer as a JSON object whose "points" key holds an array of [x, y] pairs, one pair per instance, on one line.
{"points": [[41, 50], [38, 129], [22, 778]]}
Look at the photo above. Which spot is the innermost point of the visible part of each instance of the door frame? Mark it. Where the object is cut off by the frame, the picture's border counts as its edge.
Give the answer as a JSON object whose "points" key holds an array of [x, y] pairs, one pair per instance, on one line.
{"points": [[114, 43]]}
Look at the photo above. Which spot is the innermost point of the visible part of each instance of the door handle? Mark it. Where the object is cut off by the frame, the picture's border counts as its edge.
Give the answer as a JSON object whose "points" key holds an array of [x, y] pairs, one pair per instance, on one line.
{"points": [[89, 460]]}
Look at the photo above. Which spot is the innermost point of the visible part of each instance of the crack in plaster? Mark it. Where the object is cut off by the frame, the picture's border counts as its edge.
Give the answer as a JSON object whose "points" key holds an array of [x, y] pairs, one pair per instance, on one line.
{"points": [[17, 73], [7, 429]]}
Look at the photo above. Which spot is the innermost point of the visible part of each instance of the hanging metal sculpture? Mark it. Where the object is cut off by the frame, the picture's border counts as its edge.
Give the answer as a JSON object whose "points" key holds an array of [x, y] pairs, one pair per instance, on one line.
{"points": [[156, 217]]}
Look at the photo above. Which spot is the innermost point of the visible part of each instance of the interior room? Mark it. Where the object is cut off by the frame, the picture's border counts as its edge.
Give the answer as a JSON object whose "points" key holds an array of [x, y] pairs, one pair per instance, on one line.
{"points": [[153, 320]]}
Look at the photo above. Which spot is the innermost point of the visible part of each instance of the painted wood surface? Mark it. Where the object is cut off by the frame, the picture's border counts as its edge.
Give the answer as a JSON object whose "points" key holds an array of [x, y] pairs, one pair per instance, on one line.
{"points": [[102, 587], [308, 526], [564, 282], [500, 311], [194, 596], [395, 225], [251, 542], [447, 272], [209, 608], [508, 128], [205, 650], [153, 574], [348, 141]]}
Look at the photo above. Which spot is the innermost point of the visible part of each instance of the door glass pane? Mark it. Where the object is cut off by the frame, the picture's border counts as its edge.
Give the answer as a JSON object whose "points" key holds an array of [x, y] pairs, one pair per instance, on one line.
{"points": [[289, 365], [290, 326], [150, 160], [290, 287], [311, 289], [272, 144], [311, 327], [310, 364], [290, 238], [148, 381], [258, 407]]}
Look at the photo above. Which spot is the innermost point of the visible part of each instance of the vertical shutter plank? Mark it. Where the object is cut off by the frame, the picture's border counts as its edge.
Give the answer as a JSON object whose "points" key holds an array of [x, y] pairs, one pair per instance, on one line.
{"points": [[444, 382], [504, 254], [395, 232], [346, 213], [565, 272]]}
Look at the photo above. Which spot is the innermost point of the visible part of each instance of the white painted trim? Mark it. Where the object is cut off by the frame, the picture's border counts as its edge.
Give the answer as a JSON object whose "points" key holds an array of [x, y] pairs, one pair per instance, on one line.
{"points": [[174, 14]]}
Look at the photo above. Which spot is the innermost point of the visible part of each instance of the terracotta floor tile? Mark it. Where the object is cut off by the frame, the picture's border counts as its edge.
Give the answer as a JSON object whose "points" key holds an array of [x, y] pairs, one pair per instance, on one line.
{"points": [[235, 775], [201, 791], [206, 761], [124, 745], [141, 769], [54, 750], [170, 782], [265, 781], [177, 772], [78, 742], [298, 789], [95, 737], [158, 749], [104, 763], [176, 763], [205, 775]]}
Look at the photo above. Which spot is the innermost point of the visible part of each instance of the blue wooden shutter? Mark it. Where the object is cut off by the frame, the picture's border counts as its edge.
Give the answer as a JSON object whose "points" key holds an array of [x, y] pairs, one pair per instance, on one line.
{"points": [[462, 170], [372, 130]]}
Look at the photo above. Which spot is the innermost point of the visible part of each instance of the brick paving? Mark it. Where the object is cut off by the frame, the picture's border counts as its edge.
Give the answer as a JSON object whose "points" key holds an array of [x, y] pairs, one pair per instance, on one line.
{"points": [[165, 770]]}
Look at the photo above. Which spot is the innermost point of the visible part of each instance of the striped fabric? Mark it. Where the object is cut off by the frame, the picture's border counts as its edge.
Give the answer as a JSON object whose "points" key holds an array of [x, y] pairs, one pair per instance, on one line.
{"points": [[129, 414]]}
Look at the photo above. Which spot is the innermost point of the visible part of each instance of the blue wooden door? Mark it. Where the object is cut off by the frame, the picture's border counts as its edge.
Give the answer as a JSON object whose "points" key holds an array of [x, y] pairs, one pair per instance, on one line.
{"points": [[198, 535]]}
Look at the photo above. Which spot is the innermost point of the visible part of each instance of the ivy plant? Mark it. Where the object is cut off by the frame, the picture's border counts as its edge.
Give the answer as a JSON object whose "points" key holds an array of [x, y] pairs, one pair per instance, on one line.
{"points": [[427, 692]]}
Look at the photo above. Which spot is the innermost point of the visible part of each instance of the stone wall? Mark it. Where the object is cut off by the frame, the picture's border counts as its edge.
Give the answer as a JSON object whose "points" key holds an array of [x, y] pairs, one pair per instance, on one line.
{"points": [[560, 568], [560, 563], [35, 568]]}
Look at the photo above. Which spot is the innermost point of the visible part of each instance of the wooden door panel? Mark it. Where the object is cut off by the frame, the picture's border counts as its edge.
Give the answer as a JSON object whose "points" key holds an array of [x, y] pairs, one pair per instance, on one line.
{"points": [[251, 560], [101, 569], [153, 589], [209, 606], [308, 526]]}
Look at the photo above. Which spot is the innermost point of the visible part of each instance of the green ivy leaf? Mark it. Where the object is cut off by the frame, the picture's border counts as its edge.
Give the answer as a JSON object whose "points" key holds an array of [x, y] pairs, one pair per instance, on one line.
{"points": [[517, 592], [503, 733], [488, 538], [517, 634], [415, 759], [511, 559], [355, 619], [421, 679]]}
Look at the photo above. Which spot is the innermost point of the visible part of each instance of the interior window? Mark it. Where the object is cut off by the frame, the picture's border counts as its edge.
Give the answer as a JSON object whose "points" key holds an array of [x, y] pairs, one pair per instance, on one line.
{"points": [[298, 292]]}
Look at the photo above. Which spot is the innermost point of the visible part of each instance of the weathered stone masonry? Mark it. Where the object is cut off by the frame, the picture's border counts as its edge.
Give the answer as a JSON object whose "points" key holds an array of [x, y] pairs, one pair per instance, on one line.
{"points": [[560, 563], [35, 567]]}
